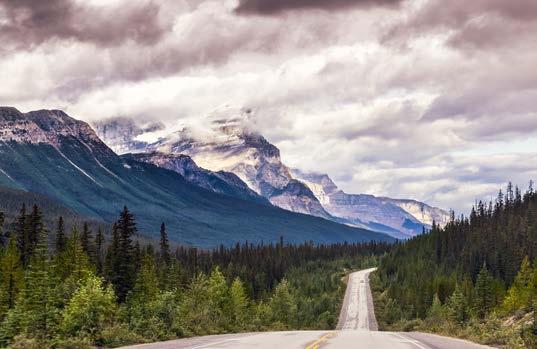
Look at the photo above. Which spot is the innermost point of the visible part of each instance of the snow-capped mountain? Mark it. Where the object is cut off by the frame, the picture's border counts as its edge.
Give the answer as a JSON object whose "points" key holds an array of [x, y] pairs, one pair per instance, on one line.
{"points": [[229, 144], [407, 217], [49, 153]]}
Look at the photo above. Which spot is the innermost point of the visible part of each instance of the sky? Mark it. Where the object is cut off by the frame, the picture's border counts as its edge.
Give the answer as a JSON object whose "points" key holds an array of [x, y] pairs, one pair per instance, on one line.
{"points": [[426, 99]]}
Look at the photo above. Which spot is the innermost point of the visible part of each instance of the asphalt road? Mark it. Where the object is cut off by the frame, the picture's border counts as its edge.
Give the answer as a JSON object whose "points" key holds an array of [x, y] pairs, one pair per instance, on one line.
{"points": [[356, 329]]}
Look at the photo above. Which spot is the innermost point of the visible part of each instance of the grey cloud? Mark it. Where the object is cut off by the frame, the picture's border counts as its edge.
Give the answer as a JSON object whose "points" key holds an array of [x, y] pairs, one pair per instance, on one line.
{"points": [[476, 24], [29, 23], [269, 7]]}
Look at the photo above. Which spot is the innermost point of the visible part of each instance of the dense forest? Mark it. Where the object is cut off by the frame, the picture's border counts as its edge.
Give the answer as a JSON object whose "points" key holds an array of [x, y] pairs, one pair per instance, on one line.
{"points": [[476, 277], [78, 289]]}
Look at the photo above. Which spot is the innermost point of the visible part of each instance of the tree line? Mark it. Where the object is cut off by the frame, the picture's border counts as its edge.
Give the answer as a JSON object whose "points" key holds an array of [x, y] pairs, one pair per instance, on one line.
{"points": [[464, 277], [83, 288]]}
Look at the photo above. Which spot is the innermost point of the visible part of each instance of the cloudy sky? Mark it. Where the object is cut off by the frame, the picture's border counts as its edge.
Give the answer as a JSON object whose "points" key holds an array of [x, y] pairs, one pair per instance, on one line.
{"points": [[428, 99]]}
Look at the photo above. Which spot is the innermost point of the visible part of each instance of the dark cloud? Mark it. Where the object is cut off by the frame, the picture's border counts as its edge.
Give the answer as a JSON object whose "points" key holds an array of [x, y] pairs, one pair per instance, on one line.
{"points": [[27, 23], [476, 24], [269, 7]]}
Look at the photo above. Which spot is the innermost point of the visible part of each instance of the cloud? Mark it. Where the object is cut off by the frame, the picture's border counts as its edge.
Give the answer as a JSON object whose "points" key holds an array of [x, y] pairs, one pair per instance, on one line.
{"points": [[269, 7], [25, 24], [470, 25], [434, 101]]}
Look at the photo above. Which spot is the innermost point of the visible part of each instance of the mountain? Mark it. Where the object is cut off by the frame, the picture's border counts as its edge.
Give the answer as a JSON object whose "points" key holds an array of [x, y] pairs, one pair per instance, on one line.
{"points": [[399, 218], [230, 145], [219, 182], [49, 153]]}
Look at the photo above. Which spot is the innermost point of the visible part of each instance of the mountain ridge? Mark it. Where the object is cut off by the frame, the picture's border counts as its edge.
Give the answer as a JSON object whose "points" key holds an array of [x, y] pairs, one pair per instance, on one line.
{"points": [[231, 145], [78, 170]]}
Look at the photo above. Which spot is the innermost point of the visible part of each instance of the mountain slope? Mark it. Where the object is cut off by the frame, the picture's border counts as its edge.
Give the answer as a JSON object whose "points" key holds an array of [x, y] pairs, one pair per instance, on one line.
{"points": [[399, 218], [229, 145], [48, 152], [219, 182], [12, 200]]}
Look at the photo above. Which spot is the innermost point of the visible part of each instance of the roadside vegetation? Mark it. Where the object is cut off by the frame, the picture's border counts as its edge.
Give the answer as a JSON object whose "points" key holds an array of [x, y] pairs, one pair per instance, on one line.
{"points": [[79, 290], [476, 278]]}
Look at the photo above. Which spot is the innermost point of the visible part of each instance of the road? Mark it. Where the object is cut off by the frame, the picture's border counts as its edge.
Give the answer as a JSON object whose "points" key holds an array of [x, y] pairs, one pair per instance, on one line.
{"points": [[357, 328]]}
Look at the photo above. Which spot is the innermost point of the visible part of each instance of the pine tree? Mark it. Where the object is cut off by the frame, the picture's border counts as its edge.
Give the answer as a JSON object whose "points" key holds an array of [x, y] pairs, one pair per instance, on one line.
{"points": [[239, 312], [60, 236], [21, 233], [283, 305], [218, 297], [164, 246], [111, 260], [35, 229], [99, 248], [126, 260], [75, 262], [436, 312], [458, 306], [146, 286], [484, 297], [39, 301], [86, 241], [11, 279], [519, 295]]}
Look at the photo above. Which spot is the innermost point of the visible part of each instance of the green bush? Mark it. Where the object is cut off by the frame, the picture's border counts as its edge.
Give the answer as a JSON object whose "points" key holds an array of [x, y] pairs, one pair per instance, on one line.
{"points": [[90, 310], [119, 335]]}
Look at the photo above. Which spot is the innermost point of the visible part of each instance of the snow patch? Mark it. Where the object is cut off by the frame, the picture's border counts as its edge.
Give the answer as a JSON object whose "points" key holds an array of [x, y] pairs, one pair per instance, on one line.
{"points": [[5, 174], [78, 168]]}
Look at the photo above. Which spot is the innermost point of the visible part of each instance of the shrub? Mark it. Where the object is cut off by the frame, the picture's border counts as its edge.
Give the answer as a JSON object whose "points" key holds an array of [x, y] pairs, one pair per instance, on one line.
{"points": [[119, 335], [91, 308]]}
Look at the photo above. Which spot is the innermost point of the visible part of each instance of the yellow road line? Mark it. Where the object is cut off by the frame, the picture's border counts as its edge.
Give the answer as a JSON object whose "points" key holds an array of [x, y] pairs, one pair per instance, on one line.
{"points": [[324, 338]]}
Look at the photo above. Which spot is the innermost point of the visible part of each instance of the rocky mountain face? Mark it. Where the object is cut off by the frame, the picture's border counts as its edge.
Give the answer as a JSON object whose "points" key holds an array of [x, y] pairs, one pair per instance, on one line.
{"points": [[121, 134], [399, 218], [45, 126], [49, 153], [220, 182], [229, 144]]}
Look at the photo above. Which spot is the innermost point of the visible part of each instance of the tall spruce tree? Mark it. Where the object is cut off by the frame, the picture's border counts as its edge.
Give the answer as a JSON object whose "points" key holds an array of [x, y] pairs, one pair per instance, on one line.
{"points": [[126, 262], [457, 305], [35, 229], [11, 279], [39, 300], [164, 246], [99, 250], [283, 305], [86, 241], [76, 264], [20, 228], [60, 236], [111, 260], [484, 294]]}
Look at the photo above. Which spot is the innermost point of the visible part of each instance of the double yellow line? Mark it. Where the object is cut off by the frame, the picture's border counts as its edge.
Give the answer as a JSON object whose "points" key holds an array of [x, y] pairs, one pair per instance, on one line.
{"points": [[318, 342]]}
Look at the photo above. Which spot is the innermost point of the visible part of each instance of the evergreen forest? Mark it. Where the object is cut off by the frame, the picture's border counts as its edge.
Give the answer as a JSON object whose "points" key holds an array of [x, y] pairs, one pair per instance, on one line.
{"points": [[475, 278], [85, 287]]}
